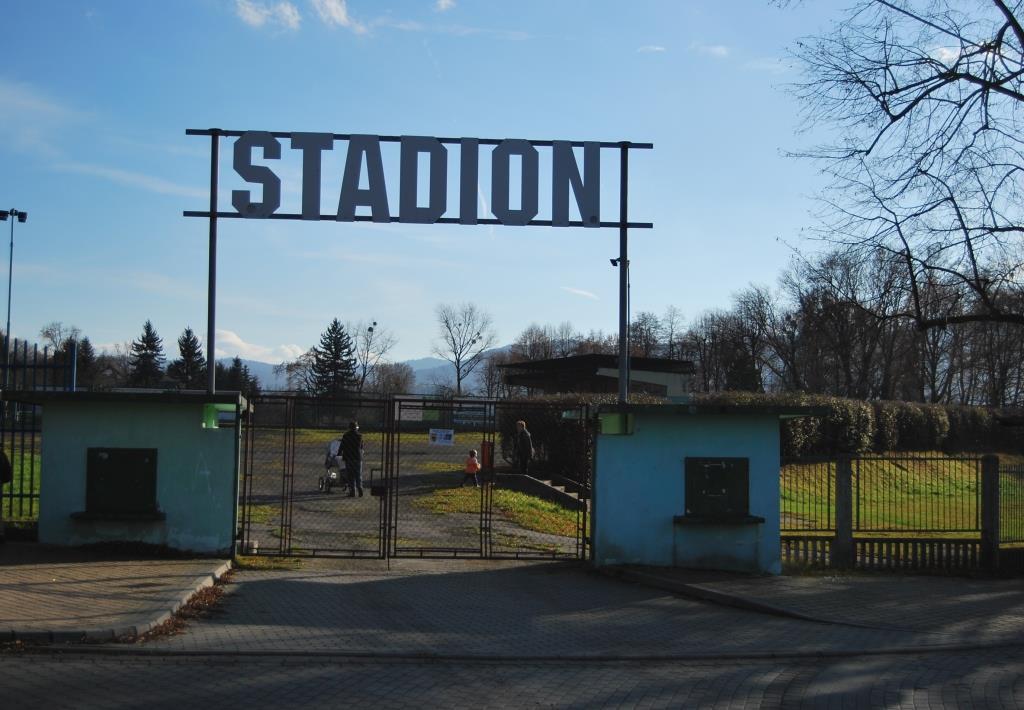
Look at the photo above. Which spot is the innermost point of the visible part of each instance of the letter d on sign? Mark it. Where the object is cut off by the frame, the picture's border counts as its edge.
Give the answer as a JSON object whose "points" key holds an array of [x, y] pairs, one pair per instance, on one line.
{"points": [[412, 146]]}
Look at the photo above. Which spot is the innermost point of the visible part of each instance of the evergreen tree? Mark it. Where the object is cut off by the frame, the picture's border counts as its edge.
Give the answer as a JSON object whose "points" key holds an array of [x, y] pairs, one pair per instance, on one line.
{"points": [[189, 370], [86, 364], [146, 362], [334, 363], [237, 377]]}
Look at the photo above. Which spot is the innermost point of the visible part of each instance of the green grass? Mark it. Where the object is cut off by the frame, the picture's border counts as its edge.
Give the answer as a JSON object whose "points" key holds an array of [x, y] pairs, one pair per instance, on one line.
{"points": [[941, 493], [265, 514], [258, 562], [526, 511], [27, 470]]}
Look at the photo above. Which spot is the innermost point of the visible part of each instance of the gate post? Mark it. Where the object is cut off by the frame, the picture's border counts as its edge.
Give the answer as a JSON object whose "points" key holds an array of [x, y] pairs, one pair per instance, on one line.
{"points": [[990, 512], [843, 553]]}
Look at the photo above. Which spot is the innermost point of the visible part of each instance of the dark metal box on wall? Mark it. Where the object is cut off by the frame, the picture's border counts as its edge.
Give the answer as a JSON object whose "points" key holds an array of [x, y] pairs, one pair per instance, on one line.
{"points": [[717, 487], [120, 481]]}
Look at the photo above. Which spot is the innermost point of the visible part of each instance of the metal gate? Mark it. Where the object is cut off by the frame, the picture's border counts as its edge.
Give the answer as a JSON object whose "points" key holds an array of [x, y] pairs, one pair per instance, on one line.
{"points": [[418, 501], [284, 508]]}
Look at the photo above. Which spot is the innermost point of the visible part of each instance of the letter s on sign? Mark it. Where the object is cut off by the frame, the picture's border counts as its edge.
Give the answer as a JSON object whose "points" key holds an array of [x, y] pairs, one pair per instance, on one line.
{"points": [[259, 174]]}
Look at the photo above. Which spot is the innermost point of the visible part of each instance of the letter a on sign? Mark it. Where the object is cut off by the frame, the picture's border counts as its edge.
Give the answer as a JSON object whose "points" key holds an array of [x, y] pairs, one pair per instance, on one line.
{"points": [[375, 196]]}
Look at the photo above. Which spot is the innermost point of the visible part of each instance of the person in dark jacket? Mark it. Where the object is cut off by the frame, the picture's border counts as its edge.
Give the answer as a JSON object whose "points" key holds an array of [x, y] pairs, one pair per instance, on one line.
{"points": [[352, 455], [522, 449]]}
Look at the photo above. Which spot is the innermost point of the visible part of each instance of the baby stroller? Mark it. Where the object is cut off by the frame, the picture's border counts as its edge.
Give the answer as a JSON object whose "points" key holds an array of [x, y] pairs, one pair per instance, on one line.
{"points": [[333, 467]]}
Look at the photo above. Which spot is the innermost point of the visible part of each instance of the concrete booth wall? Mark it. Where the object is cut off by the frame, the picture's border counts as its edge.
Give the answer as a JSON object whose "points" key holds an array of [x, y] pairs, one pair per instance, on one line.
{"points": [[639, 498], [196, 468]]}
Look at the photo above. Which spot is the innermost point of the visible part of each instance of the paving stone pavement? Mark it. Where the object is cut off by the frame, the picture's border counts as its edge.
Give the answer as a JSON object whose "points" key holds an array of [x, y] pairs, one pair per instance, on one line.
{"points": [[467, 633], [962, 610], [988, 679], [504, 610], [50, 593]]}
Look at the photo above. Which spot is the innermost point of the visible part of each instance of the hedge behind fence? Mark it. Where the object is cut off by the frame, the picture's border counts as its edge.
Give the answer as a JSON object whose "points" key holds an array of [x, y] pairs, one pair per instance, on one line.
{"points": [[854, 426], [850, 426]]}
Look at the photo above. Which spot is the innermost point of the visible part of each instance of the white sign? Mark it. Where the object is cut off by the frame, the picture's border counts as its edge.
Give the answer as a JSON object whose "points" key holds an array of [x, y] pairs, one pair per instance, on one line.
{"points": [[442, 437], [365, 150]]}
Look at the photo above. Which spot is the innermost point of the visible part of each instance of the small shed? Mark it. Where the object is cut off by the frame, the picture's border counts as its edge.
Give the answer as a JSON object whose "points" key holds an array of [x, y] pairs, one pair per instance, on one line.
{"points": [[139, 466], [693, 486], [600, 373]]}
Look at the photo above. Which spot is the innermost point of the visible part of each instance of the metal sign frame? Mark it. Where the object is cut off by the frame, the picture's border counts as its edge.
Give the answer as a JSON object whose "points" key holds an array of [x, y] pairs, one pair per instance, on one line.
{"points": [[415, 145]]}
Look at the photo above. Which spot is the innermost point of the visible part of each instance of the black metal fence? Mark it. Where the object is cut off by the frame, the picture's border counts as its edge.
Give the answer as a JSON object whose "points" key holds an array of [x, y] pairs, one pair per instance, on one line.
{"points": [[1011, 503], [417, 500], [27, 369], [890, 494], [902, 512]]}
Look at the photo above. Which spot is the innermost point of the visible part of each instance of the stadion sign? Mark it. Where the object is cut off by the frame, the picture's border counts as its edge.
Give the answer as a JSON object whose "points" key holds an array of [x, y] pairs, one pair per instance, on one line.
{"points": [[422, 160]]}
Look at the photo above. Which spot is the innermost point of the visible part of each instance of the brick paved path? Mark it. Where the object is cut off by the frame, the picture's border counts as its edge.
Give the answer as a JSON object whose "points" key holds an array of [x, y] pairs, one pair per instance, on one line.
{"points": [[980, 680], [499, 610]]}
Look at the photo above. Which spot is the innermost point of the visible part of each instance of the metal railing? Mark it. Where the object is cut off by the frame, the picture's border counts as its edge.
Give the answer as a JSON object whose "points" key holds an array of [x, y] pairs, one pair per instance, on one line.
{"points": [[27, 369], [1011, 503]]}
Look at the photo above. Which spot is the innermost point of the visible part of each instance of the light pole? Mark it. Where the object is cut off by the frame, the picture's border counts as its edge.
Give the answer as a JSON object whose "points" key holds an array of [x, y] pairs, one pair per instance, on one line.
{"points": [[21, 217]]}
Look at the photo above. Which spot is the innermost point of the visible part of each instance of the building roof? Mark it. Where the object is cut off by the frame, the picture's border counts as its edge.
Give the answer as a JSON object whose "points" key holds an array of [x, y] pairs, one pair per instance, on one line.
{"points": [[591, 363]]}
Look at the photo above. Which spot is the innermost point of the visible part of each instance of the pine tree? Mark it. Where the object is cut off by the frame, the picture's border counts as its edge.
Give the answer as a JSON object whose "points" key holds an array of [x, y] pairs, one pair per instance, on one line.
{"points": [[334, 364], [86, 364], [146, 362], [238, 378], [189, 370]]}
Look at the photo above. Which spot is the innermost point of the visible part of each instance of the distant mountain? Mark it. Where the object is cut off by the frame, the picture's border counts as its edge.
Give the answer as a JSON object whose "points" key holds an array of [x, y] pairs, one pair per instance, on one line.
{"points": [[263, 371], [429, 371]]}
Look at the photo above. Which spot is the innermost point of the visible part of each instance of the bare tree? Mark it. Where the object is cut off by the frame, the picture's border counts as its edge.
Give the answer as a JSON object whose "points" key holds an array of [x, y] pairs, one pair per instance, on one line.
{"points": [[56, 334], [926, 99], [389, 378], [534, 343], [644, 334], [493, 379], [671, 327], [465, 333], [565, 339], [370, 344], [299, 372]]}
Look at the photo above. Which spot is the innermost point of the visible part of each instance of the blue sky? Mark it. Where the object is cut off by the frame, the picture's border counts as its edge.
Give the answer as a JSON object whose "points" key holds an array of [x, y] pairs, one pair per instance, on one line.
{"points": [[95, 99]]}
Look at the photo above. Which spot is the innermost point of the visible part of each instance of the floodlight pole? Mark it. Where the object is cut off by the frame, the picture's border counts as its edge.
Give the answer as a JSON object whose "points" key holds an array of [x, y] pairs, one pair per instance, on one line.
{"points": [[623, 274], [211, 293]]}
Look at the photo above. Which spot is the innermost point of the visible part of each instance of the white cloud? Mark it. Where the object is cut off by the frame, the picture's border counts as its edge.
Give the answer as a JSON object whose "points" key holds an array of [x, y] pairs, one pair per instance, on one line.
{"points": [[444, 5], [288, 15], [946, 55], [335, 12], [29, 119], [579, 292], [650, 48], [718, 51], [258, 14], [230, 344], [131, 179]]}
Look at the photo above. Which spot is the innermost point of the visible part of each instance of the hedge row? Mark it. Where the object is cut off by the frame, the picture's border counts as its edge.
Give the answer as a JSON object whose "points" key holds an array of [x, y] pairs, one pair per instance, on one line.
{"points": [[847, 426], [855, 426]]}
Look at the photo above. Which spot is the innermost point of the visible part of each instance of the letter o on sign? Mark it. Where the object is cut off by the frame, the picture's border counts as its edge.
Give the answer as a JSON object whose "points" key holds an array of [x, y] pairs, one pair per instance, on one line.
{"points": [[500, 160]]}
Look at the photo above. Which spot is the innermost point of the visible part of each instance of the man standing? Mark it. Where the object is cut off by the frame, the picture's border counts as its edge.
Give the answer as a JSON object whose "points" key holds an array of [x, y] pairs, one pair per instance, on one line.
{"points": [[352, 455], [522, 449]]}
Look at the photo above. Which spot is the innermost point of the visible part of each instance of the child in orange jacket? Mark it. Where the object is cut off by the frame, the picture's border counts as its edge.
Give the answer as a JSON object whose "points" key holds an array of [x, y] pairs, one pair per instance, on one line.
{"points": [[472, 469]]}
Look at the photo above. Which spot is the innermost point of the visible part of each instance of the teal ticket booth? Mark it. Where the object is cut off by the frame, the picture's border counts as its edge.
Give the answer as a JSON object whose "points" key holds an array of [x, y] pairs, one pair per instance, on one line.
{"points": [[689, 485], [139, 466]]}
